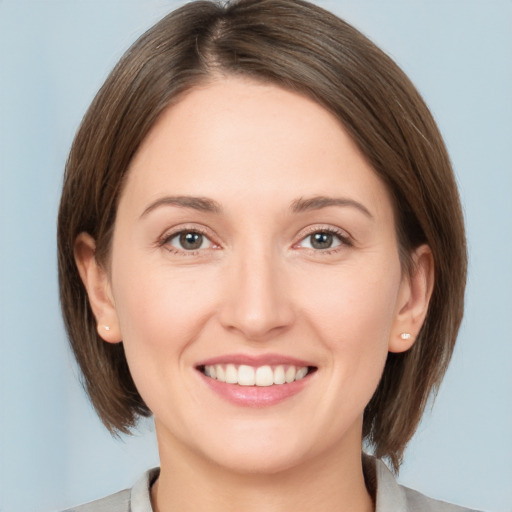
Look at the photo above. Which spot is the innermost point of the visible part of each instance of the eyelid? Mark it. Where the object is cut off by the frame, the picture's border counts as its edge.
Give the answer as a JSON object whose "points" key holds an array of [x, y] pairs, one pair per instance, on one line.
{"points": [[344, 236], [170, 233]]}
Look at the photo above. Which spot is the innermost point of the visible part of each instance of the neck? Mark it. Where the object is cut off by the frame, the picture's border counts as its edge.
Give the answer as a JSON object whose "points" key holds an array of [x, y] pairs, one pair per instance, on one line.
{"points": [[329, 482]]}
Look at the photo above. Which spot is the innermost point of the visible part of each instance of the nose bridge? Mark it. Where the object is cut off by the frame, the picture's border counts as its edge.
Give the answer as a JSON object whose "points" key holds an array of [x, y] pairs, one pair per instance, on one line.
{"points": [[256, 303]]}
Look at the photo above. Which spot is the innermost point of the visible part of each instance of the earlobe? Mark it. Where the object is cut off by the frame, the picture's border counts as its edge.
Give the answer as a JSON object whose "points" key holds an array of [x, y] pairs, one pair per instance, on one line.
{"points": [[414, 298], [97, 284]]}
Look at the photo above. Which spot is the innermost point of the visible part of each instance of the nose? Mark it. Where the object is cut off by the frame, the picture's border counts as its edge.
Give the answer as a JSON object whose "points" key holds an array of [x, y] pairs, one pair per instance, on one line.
{"points": [[256, 301]]}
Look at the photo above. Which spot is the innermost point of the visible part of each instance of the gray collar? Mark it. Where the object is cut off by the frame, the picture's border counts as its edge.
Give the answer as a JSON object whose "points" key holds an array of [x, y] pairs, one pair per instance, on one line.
{"points": [[388, 495]]}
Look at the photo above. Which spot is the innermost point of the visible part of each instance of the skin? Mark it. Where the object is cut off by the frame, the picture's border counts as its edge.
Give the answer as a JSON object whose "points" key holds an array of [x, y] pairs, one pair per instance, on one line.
{"points": [[255, 286]]}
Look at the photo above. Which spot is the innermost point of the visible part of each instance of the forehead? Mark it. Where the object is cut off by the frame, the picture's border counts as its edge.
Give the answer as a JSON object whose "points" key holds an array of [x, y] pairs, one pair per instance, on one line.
{"points": [[237, 138]]}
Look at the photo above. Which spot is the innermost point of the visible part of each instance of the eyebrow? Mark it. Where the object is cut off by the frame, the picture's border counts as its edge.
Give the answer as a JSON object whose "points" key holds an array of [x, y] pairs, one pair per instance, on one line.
{"points": [[300, 205], [202, 204], [318, 202]]}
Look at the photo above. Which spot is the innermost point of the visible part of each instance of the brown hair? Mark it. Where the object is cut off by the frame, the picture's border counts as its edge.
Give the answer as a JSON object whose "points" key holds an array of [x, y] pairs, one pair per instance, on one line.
{"points": [[302, 48]]}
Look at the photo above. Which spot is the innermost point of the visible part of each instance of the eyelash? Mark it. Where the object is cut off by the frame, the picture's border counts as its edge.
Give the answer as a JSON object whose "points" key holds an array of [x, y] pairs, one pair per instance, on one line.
{"points": [[165, 240], [342, 236]]}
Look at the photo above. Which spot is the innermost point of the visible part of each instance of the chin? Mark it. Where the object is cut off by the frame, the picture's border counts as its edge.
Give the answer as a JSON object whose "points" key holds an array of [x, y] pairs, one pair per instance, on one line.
{"points": [[255, 462], [260, 450]]}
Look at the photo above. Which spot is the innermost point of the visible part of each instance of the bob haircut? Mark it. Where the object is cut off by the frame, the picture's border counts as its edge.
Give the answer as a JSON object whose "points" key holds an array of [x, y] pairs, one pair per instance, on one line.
{"points": [[305, 49]]}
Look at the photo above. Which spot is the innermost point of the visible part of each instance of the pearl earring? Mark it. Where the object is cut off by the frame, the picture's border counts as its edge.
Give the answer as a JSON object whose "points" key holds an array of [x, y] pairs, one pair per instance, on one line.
{"points": [[405, 335], [107, 327]]}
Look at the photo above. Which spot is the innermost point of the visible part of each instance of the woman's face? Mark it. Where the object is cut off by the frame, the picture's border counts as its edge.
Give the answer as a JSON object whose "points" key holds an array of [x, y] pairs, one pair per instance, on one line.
{"points": [[254, 243]]}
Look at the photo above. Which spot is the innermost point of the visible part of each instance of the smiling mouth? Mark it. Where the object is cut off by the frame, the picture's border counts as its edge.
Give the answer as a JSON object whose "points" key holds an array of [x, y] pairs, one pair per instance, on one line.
{"points": [[262, 376]]}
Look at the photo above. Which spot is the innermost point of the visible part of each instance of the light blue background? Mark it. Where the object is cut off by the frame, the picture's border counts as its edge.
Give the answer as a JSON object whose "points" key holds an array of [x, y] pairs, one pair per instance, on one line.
{"points": [[53, 57]]}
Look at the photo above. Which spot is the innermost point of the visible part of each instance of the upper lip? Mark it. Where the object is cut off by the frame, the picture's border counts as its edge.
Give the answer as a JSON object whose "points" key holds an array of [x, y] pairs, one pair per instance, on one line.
{"points": [[255, 361]]}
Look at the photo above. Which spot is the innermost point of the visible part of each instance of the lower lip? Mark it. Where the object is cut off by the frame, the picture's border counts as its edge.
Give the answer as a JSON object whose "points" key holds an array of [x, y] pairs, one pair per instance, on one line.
{"points": [[255, 396]]}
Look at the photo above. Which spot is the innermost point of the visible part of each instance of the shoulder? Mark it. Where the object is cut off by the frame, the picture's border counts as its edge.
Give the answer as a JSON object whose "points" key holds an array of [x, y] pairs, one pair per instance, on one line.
{"points": [[118, 502], [136, 499], [417, 502], [390, 496]]}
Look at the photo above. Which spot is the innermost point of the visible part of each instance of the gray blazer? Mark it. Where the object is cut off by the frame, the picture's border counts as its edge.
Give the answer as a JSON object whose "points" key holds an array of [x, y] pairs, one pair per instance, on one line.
{"points": [[389, 495]]}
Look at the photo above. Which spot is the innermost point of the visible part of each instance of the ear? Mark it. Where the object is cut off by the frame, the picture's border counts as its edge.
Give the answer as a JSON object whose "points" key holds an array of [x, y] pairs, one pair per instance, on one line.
{"points": [[97, 283], [413, 300]]}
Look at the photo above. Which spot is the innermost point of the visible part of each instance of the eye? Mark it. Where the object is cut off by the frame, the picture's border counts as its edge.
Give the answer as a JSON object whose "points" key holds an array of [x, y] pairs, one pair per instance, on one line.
{"points": [[322, 240], [189, 241]]}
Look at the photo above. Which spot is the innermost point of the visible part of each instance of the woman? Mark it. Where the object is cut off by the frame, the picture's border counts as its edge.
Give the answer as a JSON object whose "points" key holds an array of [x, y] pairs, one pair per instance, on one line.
{"points": [[261, 244]]}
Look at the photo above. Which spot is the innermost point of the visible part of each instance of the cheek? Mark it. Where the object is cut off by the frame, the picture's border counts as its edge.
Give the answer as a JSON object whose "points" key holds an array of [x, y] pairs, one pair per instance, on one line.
{"points": [[162, 308], [352, 313], [160, 315], [353, 303]]}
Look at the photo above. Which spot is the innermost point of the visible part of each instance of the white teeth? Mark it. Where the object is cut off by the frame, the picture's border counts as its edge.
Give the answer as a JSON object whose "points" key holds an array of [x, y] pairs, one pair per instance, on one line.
{"points": [[245, 375], [289, 376], [231, 374], [301, 373], [221, 374], [264, 376], [279, 375]]}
